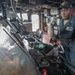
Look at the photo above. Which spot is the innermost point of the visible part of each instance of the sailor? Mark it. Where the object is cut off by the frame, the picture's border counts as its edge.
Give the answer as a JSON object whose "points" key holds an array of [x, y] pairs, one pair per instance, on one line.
{"points": [[66, 31]]}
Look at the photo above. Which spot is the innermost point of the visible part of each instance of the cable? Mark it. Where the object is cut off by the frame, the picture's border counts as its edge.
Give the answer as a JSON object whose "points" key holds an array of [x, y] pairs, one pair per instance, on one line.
{"points": [[20, 8], [54, 2]]}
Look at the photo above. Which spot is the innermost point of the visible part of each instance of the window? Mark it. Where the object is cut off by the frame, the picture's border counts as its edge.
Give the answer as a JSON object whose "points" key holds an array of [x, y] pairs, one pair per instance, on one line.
{"points": [[0, 14], [35, 22], [24, 16], [19, 15]]}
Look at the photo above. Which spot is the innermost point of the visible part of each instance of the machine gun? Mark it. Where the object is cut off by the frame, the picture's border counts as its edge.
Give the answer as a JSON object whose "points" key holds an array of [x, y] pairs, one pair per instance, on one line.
{"points": [[47, 59], [51, 58]]}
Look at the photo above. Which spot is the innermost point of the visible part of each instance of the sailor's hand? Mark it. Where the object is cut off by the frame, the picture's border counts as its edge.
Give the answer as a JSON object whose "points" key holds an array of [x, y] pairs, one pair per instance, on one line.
{"points": [[55, 41], [58, 41]]}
